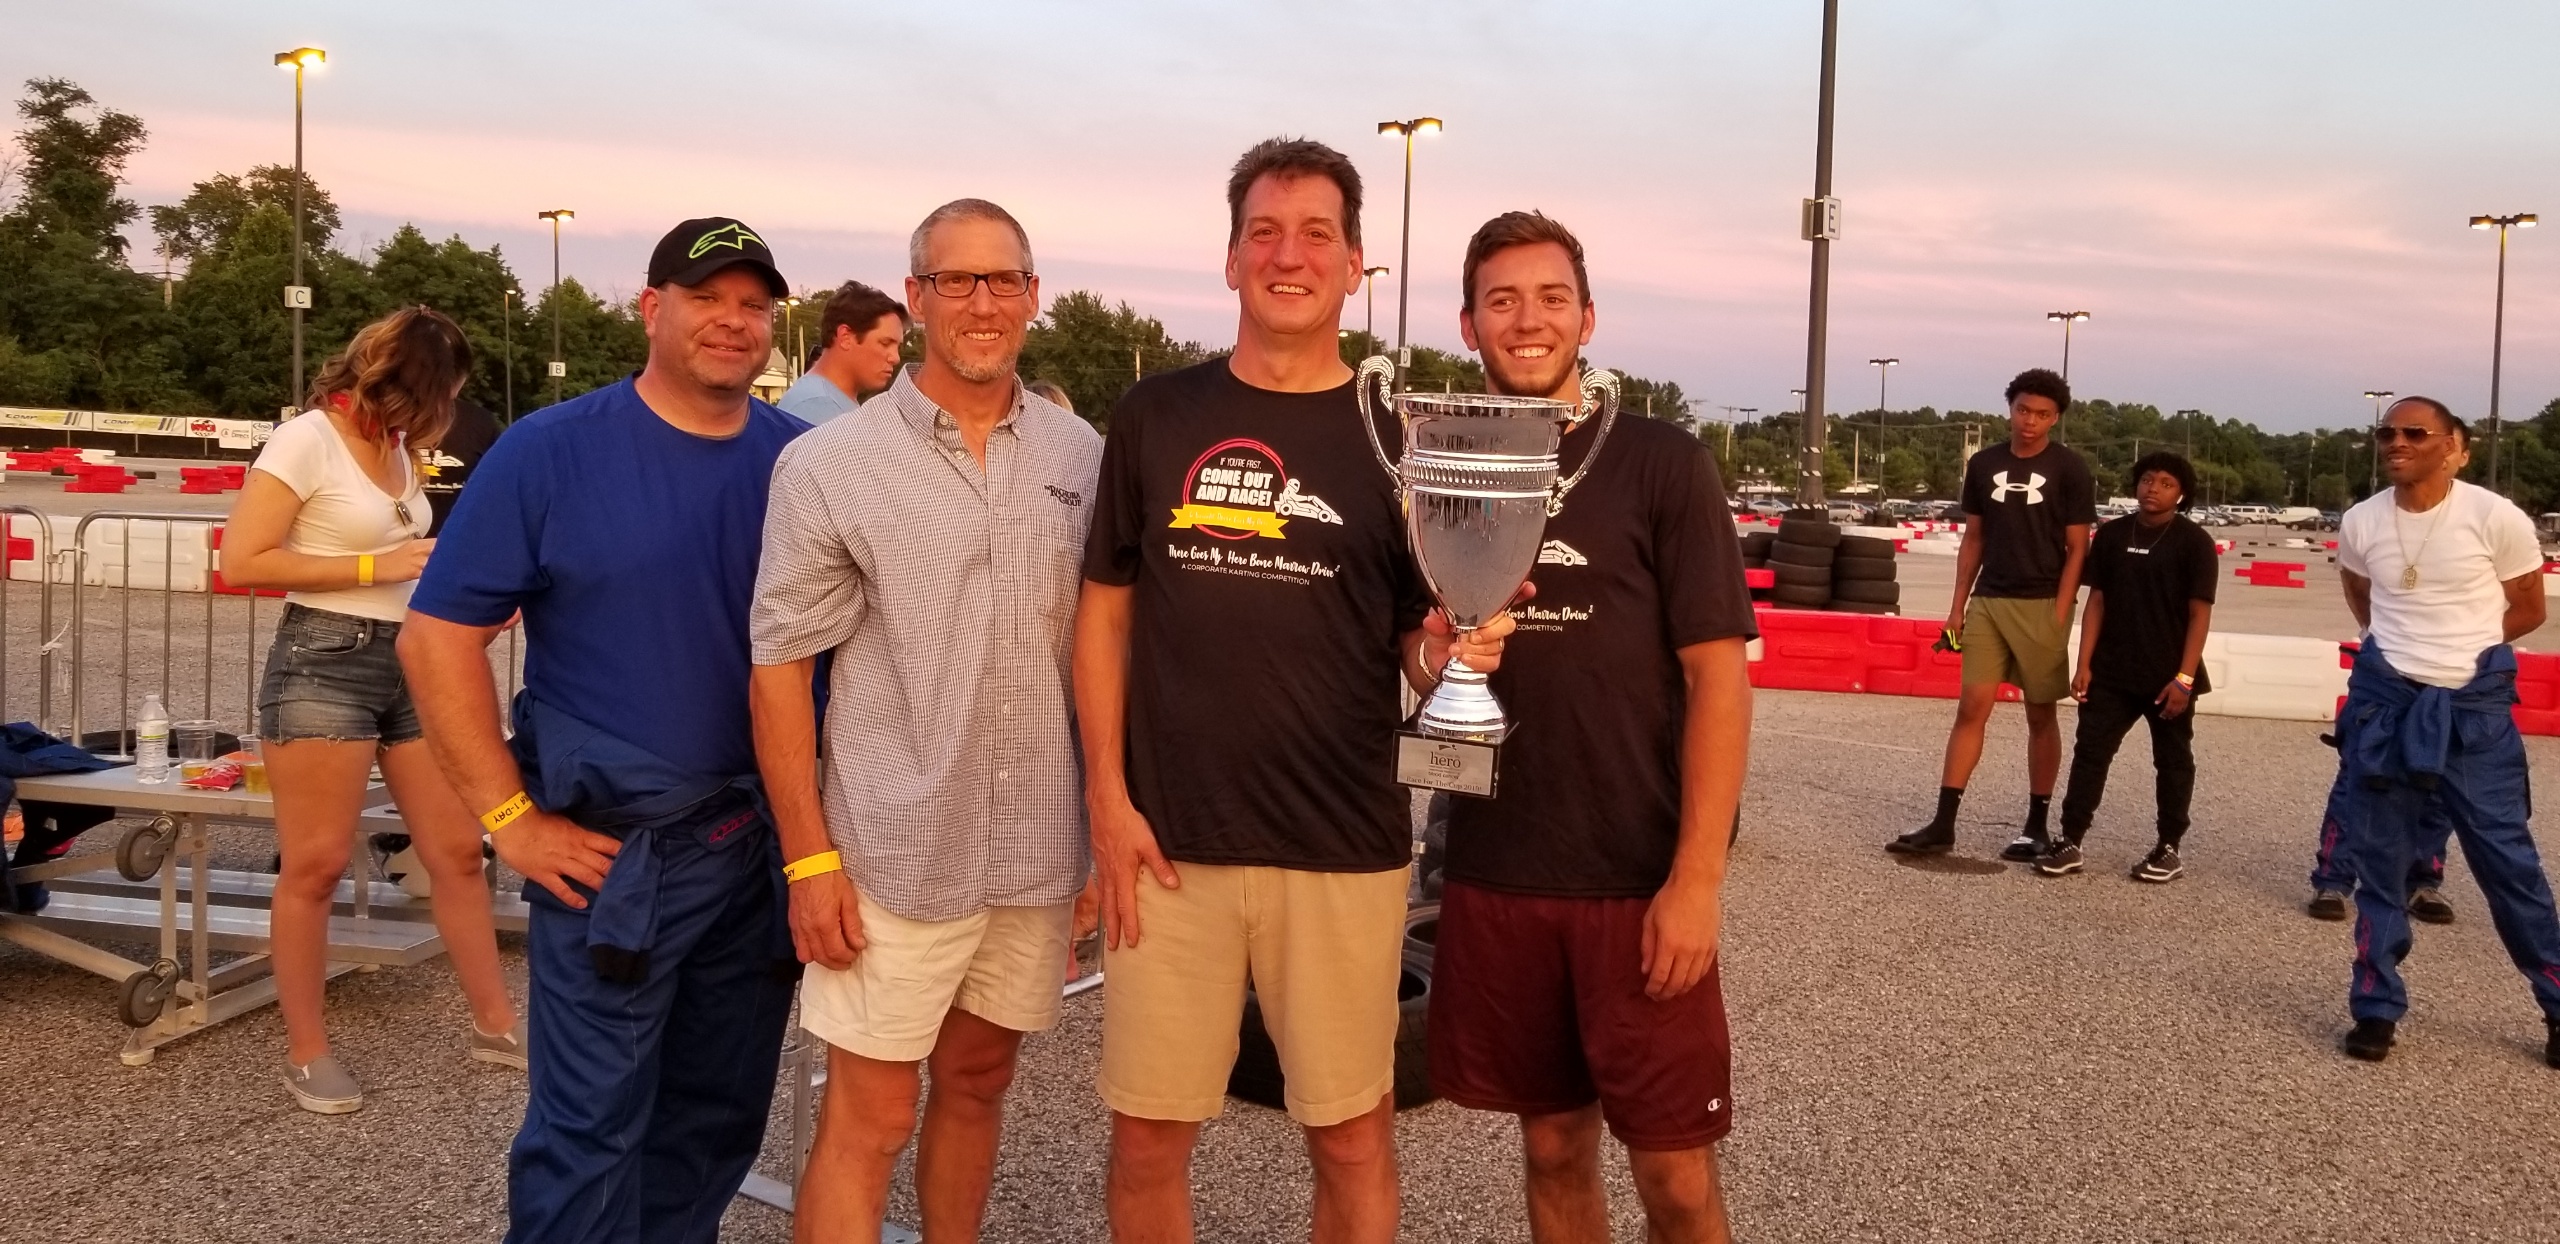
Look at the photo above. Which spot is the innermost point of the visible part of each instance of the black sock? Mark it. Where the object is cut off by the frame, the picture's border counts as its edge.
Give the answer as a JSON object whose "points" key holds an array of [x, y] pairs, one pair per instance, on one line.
{"points": [[2037, 808], [1948, 798]]}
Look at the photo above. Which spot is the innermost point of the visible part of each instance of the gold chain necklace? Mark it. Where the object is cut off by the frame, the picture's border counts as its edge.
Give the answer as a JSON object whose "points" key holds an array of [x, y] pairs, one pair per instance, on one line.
{"points": [[2408, 564]]}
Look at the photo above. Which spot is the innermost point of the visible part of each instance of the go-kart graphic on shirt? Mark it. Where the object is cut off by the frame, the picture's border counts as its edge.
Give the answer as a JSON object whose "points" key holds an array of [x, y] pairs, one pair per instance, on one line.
{"points": [[1239, 489]]}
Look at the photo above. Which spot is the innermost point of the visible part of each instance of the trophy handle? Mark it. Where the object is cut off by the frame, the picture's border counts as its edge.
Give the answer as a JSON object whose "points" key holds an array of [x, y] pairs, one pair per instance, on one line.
{"points": [[1379, 372], [1599, 391]]}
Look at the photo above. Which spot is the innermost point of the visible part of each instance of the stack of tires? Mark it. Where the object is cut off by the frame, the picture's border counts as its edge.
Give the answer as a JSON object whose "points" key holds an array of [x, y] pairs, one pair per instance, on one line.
{"points": [[1862, 576], [1755, 556], [1801, 556]]}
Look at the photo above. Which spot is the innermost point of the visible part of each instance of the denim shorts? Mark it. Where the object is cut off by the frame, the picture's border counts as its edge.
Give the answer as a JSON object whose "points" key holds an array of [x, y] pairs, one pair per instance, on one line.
{"points": [[335, 676]]}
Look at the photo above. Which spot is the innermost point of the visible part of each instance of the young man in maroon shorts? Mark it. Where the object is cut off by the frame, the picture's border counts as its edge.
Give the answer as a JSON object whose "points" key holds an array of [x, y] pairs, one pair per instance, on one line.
{"points": [[1576, 978]]}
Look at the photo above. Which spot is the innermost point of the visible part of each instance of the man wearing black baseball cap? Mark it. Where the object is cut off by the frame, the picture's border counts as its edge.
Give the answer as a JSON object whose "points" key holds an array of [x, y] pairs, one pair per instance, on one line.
{"points": [[625, 523]]}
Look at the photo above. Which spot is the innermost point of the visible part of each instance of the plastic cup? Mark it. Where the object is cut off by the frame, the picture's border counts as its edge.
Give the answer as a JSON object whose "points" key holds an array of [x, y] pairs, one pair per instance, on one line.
{"points": [[193, 745], [253, 777]]}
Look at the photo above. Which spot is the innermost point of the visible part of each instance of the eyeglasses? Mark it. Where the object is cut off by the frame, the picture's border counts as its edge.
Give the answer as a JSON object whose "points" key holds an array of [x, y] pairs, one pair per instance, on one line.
{"points": [[2388, 432], [1011, 284]]}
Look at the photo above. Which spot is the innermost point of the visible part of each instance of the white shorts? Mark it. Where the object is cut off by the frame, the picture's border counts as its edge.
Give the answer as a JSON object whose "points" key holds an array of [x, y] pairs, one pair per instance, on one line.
{"points": [[1004, 965]]}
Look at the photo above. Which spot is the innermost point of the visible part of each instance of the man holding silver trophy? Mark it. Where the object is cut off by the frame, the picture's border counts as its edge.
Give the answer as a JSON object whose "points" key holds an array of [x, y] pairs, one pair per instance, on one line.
{"points": [[1249, 604], [1575, 981]]}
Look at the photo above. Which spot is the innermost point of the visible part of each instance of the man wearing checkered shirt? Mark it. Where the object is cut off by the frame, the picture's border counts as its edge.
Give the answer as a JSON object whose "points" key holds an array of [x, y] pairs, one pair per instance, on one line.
{"points": [[931, 539]]}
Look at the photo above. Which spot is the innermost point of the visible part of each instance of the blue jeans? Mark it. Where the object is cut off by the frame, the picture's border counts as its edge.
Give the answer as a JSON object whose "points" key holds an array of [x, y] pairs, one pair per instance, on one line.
{"points": [[2334, 869], [648, 1098]]}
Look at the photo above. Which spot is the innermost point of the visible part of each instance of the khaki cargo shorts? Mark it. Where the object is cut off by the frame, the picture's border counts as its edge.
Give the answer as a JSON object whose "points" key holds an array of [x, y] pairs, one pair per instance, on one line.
{"points": [[2015, 640], [1324, 952]]}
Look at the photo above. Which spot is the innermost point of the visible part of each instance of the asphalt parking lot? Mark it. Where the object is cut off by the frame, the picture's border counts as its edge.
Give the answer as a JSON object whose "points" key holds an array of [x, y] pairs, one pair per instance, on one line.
{"points": [[1957, 1052]]}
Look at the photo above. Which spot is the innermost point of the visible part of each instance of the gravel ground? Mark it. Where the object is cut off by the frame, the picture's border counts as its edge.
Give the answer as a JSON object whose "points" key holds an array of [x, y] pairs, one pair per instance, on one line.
{"points": [[1957, 1052]]}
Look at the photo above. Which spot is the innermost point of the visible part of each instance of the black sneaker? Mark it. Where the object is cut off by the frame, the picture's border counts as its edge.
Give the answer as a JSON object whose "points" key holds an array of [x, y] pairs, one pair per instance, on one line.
{"points": [[2372, 1040], [2025, 848], [2059, 860], [2161, 866], [2327, 905], [1926, 840], [2427, 906]]}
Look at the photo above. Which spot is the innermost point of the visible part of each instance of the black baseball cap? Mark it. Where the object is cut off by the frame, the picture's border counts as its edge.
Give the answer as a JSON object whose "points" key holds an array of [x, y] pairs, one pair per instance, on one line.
{"points": [[692, 251]]}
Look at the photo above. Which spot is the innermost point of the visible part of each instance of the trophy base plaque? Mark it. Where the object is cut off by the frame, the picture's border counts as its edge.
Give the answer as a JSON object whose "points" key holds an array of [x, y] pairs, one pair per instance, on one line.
{"points": [[1458, 766]]}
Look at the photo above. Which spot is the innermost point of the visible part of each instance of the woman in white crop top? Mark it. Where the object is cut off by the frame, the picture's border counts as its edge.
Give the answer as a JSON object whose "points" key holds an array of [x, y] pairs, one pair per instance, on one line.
{"points": [[333, 513]]}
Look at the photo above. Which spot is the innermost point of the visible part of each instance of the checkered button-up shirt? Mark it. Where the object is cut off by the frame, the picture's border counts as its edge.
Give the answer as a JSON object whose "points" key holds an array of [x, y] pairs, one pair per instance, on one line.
{"points": [[948, 592]]}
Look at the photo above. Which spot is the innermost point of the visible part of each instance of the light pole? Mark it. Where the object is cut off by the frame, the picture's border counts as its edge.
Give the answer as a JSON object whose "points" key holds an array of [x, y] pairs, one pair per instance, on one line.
{"points": [[297, 296], [1821, 227], [1369, 281], [1404, 254], [2498, 334], [559, 366], [789, 326], [2373, 441], [1882, 367], [2068, 319], [507, 339]]}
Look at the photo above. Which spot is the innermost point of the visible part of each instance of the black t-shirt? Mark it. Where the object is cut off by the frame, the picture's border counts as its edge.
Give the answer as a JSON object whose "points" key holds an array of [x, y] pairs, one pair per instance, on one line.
{"points": [[1272, 583], [2023, 505], [1642, 562], [474, 430], [2148, 578]]}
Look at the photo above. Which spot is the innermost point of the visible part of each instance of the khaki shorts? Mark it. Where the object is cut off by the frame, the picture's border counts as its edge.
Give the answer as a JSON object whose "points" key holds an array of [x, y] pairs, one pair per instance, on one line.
{"points": [[1324, 951], [2015, 640], [1003, 964]]}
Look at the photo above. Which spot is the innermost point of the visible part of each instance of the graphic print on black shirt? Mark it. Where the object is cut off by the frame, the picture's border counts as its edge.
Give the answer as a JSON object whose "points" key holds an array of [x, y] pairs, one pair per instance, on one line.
{"points": [[1271, 583], [2023, 505], [1643, 561], [446, 466], [2148, 578]]}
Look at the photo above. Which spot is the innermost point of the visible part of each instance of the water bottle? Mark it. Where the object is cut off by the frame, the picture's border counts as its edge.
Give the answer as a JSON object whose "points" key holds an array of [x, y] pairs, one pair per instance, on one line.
{"points": [[151, 742]]}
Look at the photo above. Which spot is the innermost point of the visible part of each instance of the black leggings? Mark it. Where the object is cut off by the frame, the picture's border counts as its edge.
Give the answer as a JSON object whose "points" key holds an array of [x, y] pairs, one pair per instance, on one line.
{"points": [[2104, 718]]}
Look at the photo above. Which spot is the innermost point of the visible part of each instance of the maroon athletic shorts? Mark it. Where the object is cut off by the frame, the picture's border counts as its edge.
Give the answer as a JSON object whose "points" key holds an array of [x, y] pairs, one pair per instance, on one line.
{"points": [[1538, 1007]]}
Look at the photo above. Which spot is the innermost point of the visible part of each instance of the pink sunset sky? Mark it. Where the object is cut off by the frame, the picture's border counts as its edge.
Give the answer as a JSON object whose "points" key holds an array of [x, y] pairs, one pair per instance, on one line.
{"points": [[2260, 203]]}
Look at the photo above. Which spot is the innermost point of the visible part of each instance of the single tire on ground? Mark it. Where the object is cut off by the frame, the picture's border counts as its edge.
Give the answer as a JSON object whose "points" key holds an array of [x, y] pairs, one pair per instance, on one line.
{"points": [[1422, 930], [1868, 591], [1256, 1076], [1878, 569], [1800, 597], [1791, 575], [1806, 531], [1861, 606], [1800, 554], [1865, 546]]}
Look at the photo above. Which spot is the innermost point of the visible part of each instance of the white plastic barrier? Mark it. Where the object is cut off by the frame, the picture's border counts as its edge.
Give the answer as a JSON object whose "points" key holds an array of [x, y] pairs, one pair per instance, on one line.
{"points": [[113, 553], [2281, 677]]}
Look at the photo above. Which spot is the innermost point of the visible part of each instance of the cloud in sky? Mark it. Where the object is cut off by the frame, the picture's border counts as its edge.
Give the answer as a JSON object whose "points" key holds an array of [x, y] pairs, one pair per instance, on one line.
{"points": [[2261, 204]]}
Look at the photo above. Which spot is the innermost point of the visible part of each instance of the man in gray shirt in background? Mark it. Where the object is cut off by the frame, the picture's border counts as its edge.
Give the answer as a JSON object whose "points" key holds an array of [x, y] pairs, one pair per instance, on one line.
{"points": [[860, 333], [933, 542]]}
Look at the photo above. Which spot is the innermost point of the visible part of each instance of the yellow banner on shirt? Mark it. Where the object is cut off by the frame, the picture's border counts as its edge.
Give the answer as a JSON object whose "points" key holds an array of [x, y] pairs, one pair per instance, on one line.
{"points": [[1259, 522]]}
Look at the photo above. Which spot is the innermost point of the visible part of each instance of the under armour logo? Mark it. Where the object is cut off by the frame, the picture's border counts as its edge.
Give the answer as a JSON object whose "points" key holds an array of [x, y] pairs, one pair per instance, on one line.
{"points": [[1065, 496], [1559, 553], [2001, 487]]}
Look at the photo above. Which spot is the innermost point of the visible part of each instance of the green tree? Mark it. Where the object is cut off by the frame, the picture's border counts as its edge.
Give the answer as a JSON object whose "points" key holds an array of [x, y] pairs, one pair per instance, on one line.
{"points": [[1095, 351], [471, 286], [2329, 492], [602, 342], [214, 211]]}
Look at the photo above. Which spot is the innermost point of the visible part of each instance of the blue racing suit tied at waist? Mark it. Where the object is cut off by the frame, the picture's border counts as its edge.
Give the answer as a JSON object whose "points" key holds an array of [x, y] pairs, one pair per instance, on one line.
{"points": [[600, 781], [2399, 730]]}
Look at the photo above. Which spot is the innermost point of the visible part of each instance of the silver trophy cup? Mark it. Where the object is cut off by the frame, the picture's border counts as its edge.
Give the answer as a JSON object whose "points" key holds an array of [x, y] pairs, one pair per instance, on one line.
{"points": [[1478, 480]]}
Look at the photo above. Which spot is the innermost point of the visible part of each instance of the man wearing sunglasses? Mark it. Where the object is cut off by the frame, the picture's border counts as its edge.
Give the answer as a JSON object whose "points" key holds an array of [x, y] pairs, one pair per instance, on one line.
{"points": [[2442, 576], [931, 541]]}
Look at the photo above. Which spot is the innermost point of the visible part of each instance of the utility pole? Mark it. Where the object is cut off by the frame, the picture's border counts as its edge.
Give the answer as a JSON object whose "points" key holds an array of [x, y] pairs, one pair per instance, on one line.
{"points": [[297, 296], [1404, 256], [2373, 440], [2498, 337], [1821, 227], [559, 365]]}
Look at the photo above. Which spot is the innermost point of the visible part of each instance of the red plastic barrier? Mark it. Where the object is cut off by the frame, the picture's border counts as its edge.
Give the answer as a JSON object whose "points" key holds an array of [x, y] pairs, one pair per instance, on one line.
{"points": [[214, 580], [19, 549], [2538, 692], [1905, 661], [1804, 650], [1760, 577], [2272, 574]]}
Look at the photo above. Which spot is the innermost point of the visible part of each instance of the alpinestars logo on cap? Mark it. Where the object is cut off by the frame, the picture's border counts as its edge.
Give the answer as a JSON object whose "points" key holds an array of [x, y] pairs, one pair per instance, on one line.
{"points": [[1559, 553], [2001, 487], [733, 235]]}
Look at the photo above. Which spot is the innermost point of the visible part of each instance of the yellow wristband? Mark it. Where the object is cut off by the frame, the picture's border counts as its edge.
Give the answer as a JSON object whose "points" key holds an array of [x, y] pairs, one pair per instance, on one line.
{"points": [[505, 814], [818, 865], [364, 570]]}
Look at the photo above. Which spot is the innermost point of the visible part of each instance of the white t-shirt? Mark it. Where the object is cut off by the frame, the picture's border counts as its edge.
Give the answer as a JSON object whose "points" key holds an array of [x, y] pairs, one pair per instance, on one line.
{"points": [[2465, 548], [343, 512]]}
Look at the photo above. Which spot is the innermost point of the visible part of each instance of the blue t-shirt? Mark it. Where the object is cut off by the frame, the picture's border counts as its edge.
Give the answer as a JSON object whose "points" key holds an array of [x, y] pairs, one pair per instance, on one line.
{"points": [[815, 398], [631, 546]]}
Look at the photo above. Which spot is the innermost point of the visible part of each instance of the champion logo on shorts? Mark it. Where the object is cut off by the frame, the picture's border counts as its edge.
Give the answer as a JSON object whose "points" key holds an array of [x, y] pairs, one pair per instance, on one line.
{"points": [[1559, 553]]}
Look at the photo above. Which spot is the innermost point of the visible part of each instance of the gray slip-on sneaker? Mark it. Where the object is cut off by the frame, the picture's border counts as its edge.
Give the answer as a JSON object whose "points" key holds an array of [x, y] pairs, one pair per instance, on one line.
{"points": [[324, 1087], [505, 1049]]}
